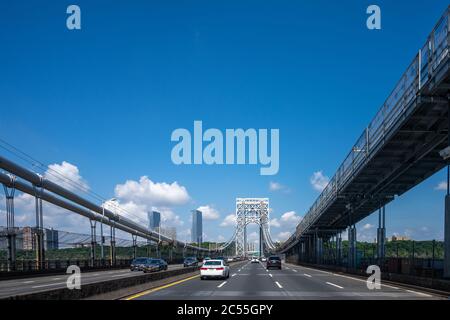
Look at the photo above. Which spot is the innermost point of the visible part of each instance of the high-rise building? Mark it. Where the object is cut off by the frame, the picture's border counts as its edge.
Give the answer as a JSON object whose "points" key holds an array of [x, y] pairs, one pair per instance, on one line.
{"points": [[154, 221], [51, 239], [197, 227]]}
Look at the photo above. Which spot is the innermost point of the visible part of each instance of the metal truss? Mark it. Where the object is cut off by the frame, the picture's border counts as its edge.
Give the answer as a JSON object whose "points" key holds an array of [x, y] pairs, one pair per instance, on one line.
{"points": [[252, 210]]}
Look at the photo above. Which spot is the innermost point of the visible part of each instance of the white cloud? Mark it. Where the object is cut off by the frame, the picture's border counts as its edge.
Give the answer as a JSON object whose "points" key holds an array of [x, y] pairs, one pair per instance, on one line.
{"points": [[66, 175], [441, 186], [367, 226], [274, 223], [230, 220], [254, 236], [209, 213], [151, 193], [283, 236], [319, 181], [220, 238]]}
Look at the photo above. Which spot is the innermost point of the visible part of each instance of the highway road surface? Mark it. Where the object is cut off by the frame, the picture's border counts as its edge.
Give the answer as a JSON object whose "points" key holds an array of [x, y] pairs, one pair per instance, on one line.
{"points": [[252, 281], [36, 284]]}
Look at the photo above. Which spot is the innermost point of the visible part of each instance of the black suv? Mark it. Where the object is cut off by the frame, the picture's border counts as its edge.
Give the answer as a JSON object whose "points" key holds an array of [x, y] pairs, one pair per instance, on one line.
{"points": [[273, 262]]}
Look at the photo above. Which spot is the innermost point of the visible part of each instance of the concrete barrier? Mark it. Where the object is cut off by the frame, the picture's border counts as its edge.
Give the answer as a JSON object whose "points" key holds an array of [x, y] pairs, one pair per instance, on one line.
{"points": [[97, 288]]}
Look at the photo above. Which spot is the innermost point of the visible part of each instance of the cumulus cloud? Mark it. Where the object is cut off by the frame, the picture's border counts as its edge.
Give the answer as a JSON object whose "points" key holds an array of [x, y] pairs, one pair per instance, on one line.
{"points": [[253, 236], [290, 217], [441, 186], [230, 220], [319, 181], [209, 213], [283, 236], [66, 175], [367, 226], [152, 193], [274, 223]]}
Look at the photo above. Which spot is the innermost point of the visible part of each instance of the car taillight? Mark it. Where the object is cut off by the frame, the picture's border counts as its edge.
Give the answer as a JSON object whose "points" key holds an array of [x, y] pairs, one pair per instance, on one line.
{"points": [[219, 268], [203, 268]]}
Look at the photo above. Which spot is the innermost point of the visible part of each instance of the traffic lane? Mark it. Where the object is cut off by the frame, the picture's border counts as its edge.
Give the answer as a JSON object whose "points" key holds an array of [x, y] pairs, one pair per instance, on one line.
{"points": [[252, 282], [193, 288], [343, 286], [35, 284]]}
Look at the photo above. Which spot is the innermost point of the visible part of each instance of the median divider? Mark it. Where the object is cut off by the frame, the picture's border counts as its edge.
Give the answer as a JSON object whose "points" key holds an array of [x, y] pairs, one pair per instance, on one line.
{"points": [[98, 288]]}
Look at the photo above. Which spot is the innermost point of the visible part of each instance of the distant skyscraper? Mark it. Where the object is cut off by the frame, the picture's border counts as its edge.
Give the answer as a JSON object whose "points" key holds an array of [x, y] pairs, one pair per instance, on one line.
{"points": [[154, 220], [197, 227]]}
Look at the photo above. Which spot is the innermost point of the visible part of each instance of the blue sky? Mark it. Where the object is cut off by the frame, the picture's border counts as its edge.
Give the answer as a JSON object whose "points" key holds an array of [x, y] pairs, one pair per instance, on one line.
{"points": [[106, 98]]}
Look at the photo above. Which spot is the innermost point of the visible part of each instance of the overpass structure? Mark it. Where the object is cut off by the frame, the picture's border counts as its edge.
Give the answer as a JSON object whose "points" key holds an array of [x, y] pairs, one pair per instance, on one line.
{"points": [[401, 147], [16, 177]]}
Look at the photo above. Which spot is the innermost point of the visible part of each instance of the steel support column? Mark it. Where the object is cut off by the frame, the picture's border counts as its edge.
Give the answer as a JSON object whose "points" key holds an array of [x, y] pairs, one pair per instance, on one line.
{"points": [[134, 237], [112, 246], [93, 241], [381, 235], [339, 248], [10, 227], [39, 232], [351, 242]]}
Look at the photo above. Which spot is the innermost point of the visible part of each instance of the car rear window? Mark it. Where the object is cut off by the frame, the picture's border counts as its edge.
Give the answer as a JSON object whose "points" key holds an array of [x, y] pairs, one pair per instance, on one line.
{"points": [[274, 258], [213, 263]]}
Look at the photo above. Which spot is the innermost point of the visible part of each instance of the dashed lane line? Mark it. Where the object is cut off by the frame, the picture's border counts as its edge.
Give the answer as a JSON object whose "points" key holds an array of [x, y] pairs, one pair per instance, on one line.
{"points": [[221, 285], [334, 285], [279, 285]]}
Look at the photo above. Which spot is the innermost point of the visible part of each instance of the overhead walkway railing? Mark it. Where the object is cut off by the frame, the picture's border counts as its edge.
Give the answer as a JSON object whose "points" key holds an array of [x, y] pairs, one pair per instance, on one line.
{"points": [[418, 76]]}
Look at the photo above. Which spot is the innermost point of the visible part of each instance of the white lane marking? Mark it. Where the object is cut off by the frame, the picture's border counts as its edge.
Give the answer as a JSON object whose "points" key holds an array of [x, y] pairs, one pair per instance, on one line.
{"points": [[307, 275], [96, 275], [267, 270], [287, 268], [25, 282], [239, 270], [279, 285], [119, 275], [334, 285], [420, 293], [48, 285], [56, 278], [270, 275], [221, 285], [294, 270], [233, 274]]}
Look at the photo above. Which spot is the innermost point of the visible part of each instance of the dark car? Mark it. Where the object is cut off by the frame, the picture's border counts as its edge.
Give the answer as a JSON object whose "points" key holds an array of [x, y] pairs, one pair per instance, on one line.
{"points": [[190, 262], [138, 264], [155, 265], [273, 262]]}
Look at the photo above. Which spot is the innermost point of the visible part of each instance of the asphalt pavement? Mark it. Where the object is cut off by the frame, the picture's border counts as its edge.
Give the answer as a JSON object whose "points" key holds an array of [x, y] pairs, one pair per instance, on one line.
{"points": [[36, 284], [252, 281]]}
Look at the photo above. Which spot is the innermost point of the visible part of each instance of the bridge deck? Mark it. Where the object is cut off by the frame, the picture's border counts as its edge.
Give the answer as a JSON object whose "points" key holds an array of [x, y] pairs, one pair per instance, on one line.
{"points": [[398, 149]]}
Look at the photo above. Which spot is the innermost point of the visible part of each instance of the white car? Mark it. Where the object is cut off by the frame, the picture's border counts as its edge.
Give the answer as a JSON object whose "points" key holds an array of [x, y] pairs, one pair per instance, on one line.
{"points": [[263, 259], [254, 260], [230, 259], [214, 269]]}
